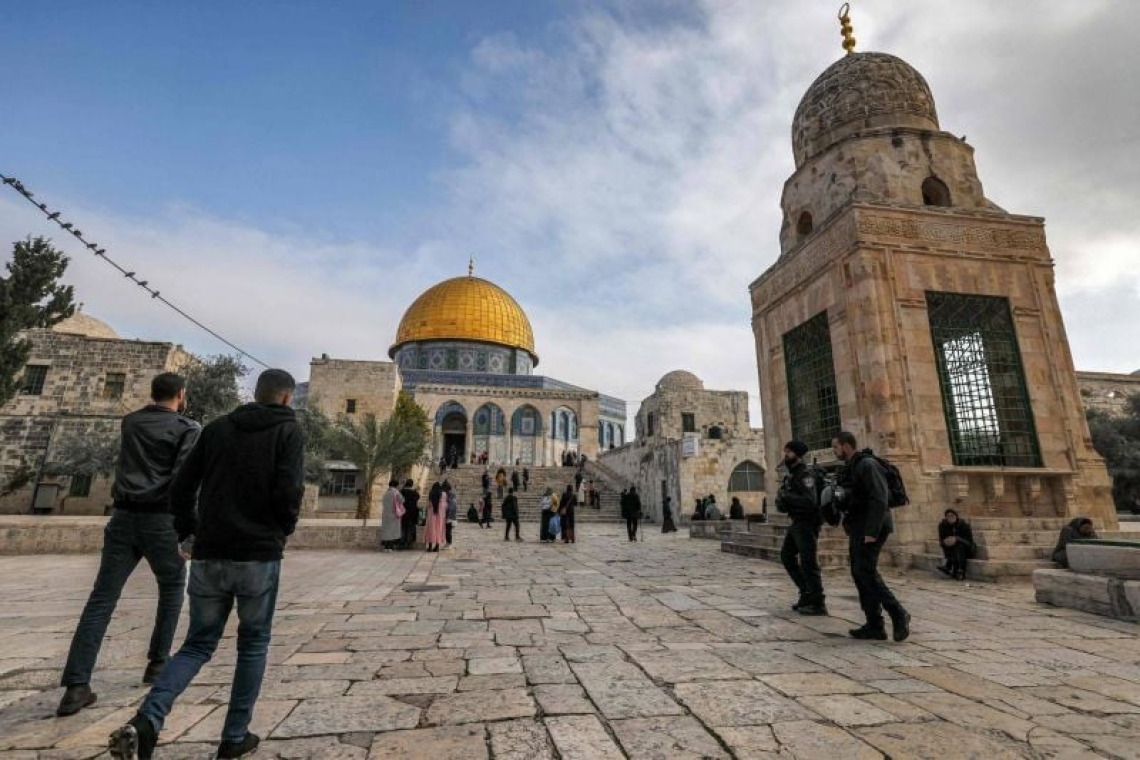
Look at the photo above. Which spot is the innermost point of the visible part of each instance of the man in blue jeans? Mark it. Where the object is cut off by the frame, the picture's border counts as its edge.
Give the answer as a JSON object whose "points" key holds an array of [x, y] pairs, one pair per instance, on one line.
{"points": [[155, 441], [235, 501]]}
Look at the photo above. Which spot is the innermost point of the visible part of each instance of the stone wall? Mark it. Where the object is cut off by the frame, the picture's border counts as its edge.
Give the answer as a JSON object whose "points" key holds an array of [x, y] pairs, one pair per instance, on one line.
{"points": [[74, 403], [727, 410], [1108, 391], [372, 385]]}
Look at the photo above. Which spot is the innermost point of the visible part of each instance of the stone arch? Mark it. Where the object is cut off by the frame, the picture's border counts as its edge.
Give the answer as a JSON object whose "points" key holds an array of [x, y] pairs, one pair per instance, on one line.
{"points": [[526, 435], [935, 192], [452, 425], [804, 225], [490, 432], [746, 477]]}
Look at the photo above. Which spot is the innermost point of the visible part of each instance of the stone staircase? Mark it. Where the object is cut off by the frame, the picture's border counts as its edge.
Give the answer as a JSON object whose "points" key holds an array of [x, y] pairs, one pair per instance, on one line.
{"points": [[467, 482], [1007, 547]]}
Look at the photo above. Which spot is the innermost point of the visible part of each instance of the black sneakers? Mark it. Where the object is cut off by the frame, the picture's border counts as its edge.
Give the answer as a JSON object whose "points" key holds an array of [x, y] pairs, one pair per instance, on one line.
{"points": [[137, 739], [900, 621], [247, 745], [75, 699], [813, 610], [153, 670]]}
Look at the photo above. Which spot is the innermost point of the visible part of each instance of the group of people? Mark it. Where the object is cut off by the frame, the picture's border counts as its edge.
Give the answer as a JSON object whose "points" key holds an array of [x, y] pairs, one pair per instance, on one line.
{"points": [[573, 459], [399, 516], [708, 509], [228, 497], [556, 516]]}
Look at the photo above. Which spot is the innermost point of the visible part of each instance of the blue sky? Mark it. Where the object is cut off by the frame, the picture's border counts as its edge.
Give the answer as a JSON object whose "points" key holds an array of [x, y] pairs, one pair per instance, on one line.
{"points": [[297, 172]]}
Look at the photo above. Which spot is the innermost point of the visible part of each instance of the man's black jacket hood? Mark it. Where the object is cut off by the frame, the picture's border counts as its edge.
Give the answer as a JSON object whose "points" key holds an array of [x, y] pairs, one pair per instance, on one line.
{"points": [[247, 474]]}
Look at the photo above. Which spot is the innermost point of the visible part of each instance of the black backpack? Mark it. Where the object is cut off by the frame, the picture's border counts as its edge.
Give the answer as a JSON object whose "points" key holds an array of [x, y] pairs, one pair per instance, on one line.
{"points": [[896, 489]]}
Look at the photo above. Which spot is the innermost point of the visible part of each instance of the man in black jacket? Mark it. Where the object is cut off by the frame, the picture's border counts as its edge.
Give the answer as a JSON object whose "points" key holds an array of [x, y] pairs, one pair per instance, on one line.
{"points": [[631, 512], [868, 524], [411, 514], [797, 498], [155, 441], [235, 502], [511, 514]]}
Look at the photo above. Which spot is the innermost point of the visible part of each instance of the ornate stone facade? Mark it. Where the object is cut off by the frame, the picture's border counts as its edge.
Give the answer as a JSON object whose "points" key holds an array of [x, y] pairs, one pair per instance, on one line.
{"points": [[903, 217], [87, 379], [690, 442]]}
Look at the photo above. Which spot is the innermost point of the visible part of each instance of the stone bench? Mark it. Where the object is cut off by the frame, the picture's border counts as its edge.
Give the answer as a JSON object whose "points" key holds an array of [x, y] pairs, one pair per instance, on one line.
{"points": [[1103, 578]]}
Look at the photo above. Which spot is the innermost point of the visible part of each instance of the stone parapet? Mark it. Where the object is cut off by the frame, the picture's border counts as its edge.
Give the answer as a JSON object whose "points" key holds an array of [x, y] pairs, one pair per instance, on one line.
{"points": [[1097, 594]]}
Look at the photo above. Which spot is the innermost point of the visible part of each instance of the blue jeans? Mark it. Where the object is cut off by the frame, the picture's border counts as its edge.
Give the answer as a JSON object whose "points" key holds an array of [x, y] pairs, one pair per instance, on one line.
{"points": [[214, 586], [127, 538]]}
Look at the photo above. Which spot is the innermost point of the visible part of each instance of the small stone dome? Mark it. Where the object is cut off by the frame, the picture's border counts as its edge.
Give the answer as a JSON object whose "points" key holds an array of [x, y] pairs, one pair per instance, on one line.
{"points": [[859, 92], [680, 380], [85, 325]]}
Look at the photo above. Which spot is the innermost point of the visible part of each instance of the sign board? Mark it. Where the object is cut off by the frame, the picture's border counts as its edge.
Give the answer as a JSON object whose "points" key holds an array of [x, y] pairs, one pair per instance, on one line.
{"points": [[691, 445]]}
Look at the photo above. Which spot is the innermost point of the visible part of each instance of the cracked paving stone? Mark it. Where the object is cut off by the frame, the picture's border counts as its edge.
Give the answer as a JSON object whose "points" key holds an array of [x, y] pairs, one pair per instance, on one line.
{"points": [[450, 742], [674, 738], [582, 737], [480, 706], [621, 690], [738, 703], [313, 717]]}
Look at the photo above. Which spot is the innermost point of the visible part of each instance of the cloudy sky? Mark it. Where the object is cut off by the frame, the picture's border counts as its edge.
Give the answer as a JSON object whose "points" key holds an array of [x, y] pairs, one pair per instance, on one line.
{"points": [[295, 173]]}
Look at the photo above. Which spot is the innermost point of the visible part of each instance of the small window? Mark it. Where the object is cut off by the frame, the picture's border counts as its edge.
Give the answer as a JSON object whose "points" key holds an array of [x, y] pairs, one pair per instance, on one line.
{"points": [[649, 424], [804, 224], [746, 476], [341, 483], [350, 406], [114, 385], [688, 422], [935, 192], [34, 377], [80, 486], [716, 432]]}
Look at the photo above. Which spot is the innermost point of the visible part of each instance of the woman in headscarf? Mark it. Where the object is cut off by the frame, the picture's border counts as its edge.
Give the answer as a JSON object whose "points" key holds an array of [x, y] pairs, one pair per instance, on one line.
{"points": [[1078, 527], [957, 541], [569, 501], [548, 504], [391, 509], [436, 517], [735, 509], [667, 523], [452, 511]]}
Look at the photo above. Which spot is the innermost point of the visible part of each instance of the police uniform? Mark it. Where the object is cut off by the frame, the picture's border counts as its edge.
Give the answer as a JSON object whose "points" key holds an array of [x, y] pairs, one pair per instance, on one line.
{"points": [[797, 498]]}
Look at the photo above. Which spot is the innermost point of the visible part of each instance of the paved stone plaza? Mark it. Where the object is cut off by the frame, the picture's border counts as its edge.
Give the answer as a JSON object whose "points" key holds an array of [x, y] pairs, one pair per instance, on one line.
{"points": [[661, 649]]}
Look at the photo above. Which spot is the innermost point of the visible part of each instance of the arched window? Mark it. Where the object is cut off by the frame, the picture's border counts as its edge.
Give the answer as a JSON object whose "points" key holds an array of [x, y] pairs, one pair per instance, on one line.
{"points": [[746, 476], [804, 225], [716, 432], [935, 192]]}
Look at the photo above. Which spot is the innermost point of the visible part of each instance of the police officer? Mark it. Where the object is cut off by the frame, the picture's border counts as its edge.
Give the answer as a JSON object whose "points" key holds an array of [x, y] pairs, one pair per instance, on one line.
{"points": [[798, 499], [868, 524]]}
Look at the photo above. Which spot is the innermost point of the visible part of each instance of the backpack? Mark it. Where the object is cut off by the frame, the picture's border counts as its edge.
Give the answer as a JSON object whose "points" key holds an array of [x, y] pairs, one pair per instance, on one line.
{"points": [[896, 489], [554, 527]]}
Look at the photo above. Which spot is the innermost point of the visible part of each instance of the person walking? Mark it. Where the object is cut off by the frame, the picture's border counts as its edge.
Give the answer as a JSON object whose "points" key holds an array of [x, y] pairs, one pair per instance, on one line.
{"points": [[511, 514], [868, 524], [485, 480], [667, 523], [501, 481], [631, 511], [798, 498], [526, 478], [436, 517], [411, 514], [391, 512], [155, 442], [485, 522], [235, 502], [516, 481], [452, 514], [566, 510]]}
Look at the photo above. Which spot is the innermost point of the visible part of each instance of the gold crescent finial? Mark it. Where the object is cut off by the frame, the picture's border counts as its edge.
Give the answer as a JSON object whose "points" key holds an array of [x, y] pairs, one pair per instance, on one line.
{"points": [[845, 28], [471, 266]]}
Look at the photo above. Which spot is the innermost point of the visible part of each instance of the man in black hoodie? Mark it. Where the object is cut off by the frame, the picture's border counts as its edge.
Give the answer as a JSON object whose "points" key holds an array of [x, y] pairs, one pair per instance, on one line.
{"points": [[235, 502], [155, 442]]}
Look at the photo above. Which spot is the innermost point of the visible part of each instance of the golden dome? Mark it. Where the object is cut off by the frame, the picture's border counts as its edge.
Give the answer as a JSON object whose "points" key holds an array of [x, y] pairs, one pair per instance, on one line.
{"points": [[466, 308]]}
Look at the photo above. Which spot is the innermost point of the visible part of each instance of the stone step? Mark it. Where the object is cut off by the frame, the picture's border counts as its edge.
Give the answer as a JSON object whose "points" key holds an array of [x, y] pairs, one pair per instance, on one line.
{"points": [[1014, 537], [1019, 523], [1000, 551], [826, 559], [980, 569]]}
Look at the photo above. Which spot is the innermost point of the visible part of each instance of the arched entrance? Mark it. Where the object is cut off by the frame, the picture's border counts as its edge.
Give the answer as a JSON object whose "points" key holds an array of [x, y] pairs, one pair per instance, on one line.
{"points": [[526, 431], [451, 424], [490, 431]]}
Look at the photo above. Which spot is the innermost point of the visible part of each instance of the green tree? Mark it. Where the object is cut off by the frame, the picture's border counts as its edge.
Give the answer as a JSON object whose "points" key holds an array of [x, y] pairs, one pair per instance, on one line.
{"points": [[375, 447], [1117, 439], [318, 430], [213, 386], [89, 454], [30, 296]]}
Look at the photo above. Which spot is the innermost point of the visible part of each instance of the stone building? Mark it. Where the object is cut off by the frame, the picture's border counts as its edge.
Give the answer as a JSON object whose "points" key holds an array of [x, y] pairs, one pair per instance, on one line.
{"points": [[692, 442], [1108, 391], [79, 381], [465, 350], [908, 308]]}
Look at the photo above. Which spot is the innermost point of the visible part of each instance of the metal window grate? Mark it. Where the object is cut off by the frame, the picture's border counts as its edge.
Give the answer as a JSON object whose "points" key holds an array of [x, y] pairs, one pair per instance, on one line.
{"points": [[746, 476], [34, 377], [688, 422], [114, 385], [984, 395], [812, 398]]}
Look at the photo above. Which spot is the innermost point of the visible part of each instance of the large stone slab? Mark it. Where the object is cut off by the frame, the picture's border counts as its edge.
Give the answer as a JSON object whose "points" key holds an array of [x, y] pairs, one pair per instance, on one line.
{"points": [[520, 740], [692, 665], [805, 738], [480, 706], [448, 742], [582, 737], [314, 717], [938, 740], [1116, 559], [739, 703], [674, 738], [620, 690]]}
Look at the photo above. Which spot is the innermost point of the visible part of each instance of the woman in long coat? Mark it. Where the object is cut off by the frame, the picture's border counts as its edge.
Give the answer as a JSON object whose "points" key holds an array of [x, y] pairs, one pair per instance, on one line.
{"points": [[391, 531], [566, 509], [436, 518], [545, 504]]}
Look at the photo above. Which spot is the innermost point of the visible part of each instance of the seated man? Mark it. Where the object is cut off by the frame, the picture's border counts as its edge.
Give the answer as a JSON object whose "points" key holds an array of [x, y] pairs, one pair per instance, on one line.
{"points": [[1078, 527], [957, 541]]}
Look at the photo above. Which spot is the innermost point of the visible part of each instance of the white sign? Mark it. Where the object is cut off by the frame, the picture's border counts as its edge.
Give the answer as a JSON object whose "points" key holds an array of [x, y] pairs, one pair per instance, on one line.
{"points": [[691, 445]]}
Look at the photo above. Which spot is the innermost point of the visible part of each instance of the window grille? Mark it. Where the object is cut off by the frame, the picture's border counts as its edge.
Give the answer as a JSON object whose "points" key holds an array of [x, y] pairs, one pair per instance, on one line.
{"points": [[350, 406], [688, 422], [80, 486], [114, 385], [746, 476], [649, 424], [341, 483], [812, 398], [984, 396], [34, 377]]}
